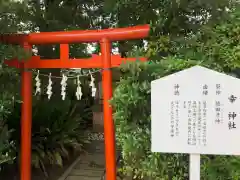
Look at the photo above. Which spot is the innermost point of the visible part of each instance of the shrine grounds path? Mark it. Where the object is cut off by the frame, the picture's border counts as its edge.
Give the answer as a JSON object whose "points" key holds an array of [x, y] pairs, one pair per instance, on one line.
{"points": [[90, 166]]}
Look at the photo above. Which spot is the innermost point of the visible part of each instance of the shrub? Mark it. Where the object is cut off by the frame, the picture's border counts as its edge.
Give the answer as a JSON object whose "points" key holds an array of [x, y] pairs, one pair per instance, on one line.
{"points": [[56, 131], [131, 103]]}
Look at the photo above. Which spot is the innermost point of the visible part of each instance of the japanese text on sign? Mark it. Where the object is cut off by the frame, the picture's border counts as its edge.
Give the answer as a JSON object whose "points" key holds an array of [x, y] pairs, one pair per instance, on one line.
{"points": [[196, 111]]}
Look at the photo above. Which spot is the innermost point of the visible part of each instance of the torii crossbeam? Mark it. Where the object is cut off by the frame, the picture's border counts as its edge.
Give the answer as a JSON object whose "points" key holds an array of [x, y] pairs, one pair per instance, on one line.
{"points": [[105, 61]]}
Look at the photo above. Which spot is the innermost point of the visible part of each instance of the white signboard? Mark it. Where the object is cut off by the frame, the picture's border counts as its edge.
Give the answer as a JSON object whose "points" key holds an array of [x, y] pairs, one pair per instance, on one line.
{"points": [[196, 111]]}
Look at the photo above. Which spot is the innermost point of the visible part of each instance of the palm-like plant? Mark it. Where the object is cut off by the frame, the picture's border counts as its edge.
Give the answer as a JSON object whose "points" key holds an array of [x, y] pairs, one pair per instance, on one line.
{"points": [[57, 129]]}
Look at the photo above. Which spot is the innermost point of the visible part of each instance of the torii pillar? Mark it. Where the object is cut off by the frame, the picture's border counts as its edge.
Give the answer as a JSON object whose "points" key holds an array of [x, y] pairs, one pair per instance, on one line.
{"points": [[105, 61]]}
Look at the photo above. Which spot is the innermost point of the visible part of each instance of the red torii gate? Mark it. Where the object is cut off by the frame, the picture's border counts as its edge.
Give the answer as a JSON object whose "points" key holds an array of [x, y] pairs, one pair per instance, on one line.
{"points": [[105, 61]]}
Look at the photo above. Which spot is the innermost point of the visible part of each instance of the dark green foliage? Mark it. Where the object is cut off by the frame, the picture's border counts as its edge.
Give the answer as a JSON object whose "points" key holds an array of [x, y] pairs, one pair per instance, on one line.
{"points": [[216, 49], [56, 130], [131, 97], [7, 147]]}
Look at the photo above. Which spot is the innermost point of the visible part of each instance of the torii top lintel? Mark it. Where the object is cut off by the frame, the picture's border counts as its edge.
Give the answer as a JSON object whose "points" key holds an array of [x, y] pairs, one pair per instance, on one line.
{"points": [[64, 38], [77, 36]]}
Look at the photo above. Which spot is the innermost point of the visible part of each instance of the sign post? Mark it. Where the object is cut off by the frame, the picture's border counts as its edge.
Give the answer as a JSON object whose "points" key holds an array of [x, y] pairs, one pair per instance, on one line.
{"points": [[196, 111], [195, 166]]}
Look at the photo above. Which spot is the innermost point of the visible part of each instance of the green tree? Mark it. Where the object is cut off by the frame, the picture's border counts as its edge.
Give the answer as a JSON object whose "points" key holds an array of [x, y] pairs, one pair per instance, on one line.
{"points": [[9, 79], [215, 46], [169, 19]]}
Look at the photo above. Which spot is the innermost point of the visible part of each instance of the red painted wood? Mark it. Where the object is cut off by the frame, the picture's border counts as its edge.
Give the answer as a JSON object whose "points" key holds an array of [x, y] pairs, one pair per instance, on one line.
{"points": [[109, 128], [78, 36], [26, 122], [94, 62]]}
